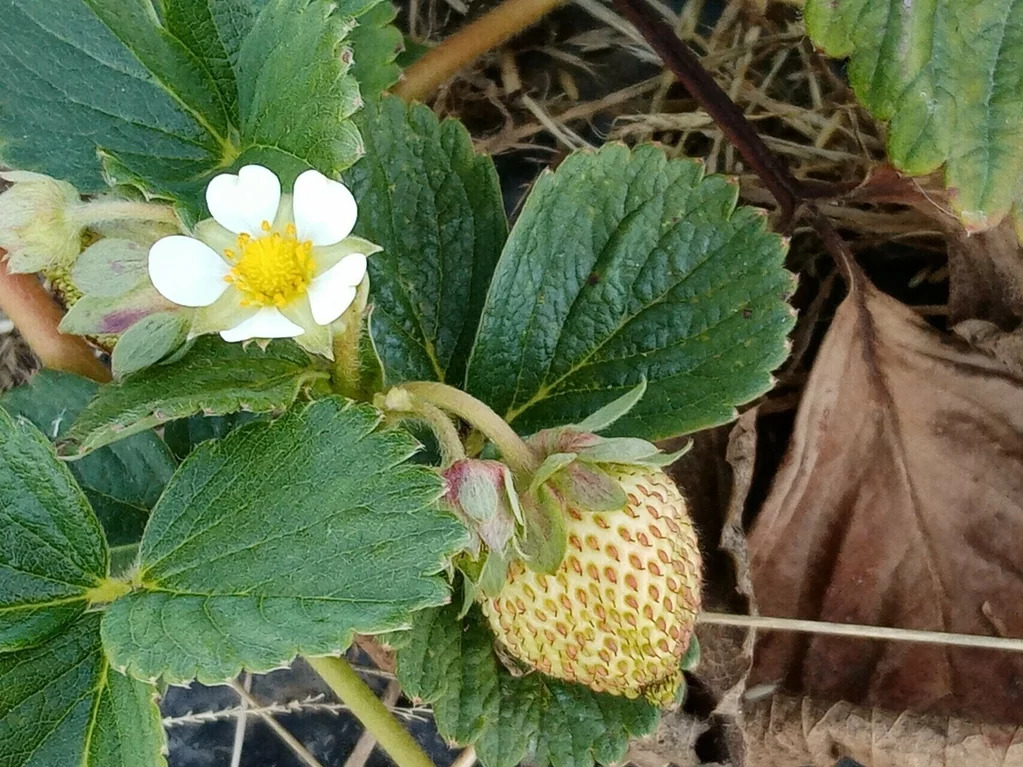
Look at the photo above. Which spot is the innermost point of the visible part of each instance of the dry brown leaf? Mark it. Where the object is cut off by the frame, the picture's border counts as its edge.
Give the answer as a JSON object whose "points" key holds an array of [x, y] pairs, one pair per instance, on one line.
{"points": [[900, 503], [986, 276], [715, 475], [987, 337], [783, 731], [672, 743]]}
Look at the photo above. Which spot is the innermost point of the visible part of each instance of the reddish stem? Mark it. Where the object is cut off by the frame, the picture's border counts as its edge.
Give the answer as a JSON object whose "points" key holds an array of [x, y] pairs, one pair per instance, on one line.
{"points": [[469, 43], [36, 314]]}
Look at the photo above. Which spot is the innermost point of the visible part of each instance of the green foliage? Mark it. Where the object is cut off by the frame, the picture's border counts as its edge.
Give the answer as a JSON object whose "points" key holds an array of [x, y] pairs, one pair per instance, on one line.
{"points": [[213, 377], [627, 266], [166, 103], [947, 74], [284, 537], [61, 704], [376, 43], [121, 481], [214, 33], [52, 548], [295, 110], [435, 208], [510, 719], [185, 434]]}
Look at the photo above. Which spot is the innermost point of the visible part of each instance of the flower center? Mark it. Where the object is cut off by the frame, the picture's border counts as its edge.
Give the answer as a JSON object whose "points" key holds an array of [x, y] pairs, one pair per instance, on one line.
{"points": [[272, 270]]}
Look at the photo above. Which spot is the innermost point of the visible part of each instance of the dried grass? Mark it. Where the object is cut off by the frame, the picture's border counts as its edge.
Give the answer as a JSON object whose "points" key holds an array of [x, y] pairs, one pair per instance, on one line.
{"points": [[585, 76]]}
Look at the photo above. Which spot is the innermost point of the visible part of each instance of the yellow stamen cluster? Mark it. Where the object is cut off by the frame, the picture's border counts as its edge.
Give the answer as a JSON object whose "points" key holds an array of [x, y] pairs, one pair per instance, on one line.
{"points": [[272, 270]]}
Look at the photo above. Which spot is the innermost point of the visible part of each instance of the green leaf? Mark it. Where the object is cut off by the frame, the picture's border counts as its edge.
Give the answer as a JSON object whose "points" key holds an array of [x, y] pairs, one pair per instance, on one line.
{"points": [[70, 87], [295, 92], [376, 43], [110, 90], [627, 266], [51, 546], [122, 481], [185, 434], [214, 31], [283, 538], [148, 341], [947, 76], [62, 705], [435, 208], [531, 718], [213, 377]]}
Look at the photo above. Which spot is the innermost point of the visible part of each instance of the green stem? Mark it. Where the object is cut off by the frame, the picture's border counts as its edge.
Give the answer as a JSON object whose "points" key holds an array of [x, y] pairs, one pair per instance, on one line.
{"points": [[516, 453], [347, 377], [450, 442], [363, 702], [121, 210]]}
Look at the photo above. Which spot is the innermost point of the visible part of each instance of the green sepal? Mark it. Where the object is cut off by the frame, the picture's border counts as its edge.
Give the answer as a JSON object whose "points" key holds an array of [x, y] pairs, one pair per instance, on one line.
{"points": [[494, 574], [661, 459], [612, 411], [588, 488], [148, 341], [544, 538], [470, 570], [692, 657], [619, 450], [550, 466], [481, 493], [95, 315], [110, 267]]}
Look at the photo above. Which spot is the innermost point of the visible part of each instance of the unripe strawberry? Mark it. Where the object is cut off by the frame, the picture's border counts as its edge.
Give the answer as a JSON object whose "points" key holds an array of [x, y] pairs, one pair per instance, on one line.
{"points": [[618, 613]]}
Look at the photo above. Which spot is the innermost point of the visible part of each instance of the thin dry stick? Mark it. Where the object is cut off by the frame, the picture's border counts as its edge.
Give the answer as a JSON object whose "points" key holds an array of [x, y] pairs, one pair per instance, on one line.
{"points": [[366, 743], [300, 751], [36, 315], [1010, 644], [240, 726], [465, 759], [311, 704], [469, 43]]}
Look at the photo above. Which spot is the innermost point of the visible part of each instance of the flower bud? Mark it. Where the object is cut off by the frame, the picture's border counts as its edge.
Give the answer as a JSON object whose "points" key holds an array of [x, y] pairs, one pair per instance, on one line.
{"points": [[36, 228], [482, 495]]}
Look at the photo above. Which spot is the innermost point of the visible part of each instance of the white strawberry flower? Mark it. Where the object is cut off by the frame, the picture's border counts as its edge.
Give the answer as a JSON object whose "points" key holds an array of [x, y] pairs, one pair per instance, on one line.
{"points": [[267, 265]]}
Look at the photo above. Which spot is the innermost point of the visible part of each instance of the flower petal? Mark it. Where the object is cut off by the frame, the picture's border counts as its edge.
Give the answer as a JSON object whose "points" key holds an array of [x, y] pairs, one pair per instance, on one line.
{"points": [[242, 202], [186, 271], [268, 322], [334, 290], [325, 211]]}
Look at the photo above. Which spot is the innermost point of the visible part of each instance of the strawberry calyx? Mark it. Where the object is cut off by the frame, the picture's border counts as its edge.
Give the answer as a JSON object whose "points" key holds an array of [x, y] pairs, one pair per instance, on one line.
{"points": [[514, 517]]}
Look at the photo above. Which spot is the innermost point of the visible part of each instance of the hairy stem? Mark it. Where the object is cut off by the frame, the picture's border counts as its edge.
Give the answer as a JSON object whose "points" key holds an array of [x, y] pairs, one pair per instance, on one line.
{"points": [[451, 448], [516, 453], [36, 314], [88, 213], [363, 702], [347, 375], [469, 43]]}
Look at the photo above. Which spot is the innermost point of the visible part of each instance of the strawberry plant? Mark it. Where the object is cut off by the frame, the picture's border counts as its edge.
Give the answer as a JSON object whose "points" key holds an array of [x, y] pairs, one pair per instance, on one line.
{"points": [[321, 390]]}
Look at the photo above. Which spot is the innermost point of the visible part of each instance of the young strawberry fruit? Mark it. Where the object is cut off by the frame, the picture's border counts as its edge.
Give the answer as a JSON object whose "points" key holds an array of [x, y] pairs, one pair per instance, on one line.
{"points": [[615, 609]]}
